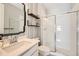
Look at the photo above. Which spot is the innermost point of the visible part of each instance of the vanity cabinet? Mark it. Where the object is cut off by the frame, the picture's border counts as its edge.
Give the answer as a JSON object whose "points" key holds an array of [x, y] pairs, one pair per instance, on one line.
{"points": [[33, 51]]}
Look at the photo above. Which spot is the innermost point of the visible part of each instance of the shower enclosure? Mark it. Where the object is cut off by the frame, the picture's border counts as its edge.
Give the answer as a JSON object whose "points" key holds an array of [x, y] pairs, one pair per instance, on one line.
{"points": [[61, 33]]}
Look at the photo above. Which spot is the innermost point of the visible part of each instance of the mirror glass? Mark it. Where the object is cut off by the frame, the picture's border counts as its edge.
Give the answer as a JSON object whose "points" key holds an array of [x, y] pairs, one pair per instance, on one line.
{"points": [[12, 18]]}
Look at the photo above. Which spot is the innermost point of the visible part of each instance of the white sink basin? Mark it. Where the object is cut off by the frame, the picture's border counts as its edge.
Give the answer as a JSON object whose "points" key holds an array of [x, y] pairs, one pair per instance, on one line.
{"points": [[16, 46], [16, 49]]}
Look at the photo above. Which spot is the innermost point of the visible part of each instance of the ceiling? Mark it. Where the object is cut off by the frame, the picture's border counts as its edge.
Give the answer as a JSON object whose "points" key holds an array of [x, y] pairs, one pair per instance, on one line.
{"points": [[58, 6], [50, 6]]}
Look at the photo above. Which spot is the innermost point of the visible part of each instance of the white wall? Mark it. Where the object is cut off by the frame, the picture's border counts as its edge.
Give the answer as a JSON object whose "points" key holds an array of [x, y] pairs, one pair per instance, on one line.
{"points": [[57, 8], [31, 31], [50, 33], [42, 14], [75, 7]]}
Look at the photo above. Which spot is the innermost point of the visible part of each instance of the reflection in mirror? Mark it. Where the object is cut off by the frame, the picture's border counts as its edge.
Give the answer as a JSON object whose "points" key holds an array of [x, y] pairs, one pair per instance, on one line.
{"points": [[12, 18]]}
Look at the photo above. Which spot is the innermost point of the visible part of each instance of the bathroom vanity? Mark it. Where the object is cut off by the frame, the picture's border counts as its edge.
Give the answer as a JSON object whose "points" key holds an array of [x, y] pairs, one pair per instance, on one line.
{"points": [[12, 24], [25, 47]]}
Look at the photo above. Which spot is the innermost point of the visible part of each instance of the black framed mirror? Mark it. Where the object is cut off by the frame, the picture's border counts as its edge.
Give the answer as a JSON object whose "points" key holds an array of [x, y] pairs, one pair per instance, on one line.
{"points": [[13, 18]]}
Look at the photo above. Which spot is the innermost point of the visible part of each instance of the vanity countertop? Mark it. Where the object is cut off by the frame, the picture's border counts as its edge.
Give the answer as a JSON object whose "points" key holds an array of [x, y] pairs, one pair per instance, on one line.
{"points": [[18, 48]]}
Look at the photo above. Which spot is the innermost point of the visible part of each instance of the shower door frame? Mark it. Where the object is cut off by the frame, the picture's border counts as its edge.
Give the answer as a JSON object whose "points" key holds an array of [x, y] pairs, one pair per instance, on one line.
{"points": [[54, 30], [76, 30]]}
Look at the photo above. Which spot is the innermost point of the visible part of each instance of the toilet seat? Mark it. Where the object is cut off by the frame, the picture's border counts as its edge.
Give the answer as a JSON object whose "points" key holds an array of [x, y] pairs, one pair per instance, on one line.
{"points": [[44, 50]]}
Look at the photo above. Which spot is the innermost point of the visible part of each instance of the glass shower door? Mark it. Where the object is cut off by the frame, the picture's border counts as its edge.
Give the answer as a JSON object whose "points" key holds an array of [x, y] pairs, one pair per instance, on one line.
{"points": [[59, 33], [48, 32], [66, 33]]}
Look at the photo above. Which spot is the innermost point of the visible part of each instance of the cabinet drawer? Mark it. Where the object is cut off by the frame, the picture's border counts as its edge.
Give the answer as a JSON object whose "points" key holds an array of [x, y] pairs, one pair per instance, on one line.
{"points": [[35, 53], [31, 50]]}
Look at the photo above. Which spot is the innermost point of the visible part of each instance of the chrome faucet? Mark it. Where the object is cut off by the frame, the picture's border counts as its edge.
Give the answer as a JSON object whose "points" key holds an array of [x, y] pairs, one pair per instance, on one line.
{"points": [[13, 39]]}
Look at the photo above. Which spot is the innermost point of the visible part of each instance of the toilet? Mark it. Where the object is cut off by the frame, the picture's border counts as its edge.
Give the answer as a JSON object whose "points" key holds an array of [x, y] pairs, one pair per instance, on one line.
{"points": [[43, 50]]}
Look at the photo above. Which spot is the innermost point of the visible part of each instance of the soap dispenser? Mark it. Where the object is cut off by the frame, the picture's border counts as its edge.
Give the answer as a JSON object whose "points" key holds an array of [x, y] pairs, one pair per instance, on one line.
{"points": [[0, 37]]}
